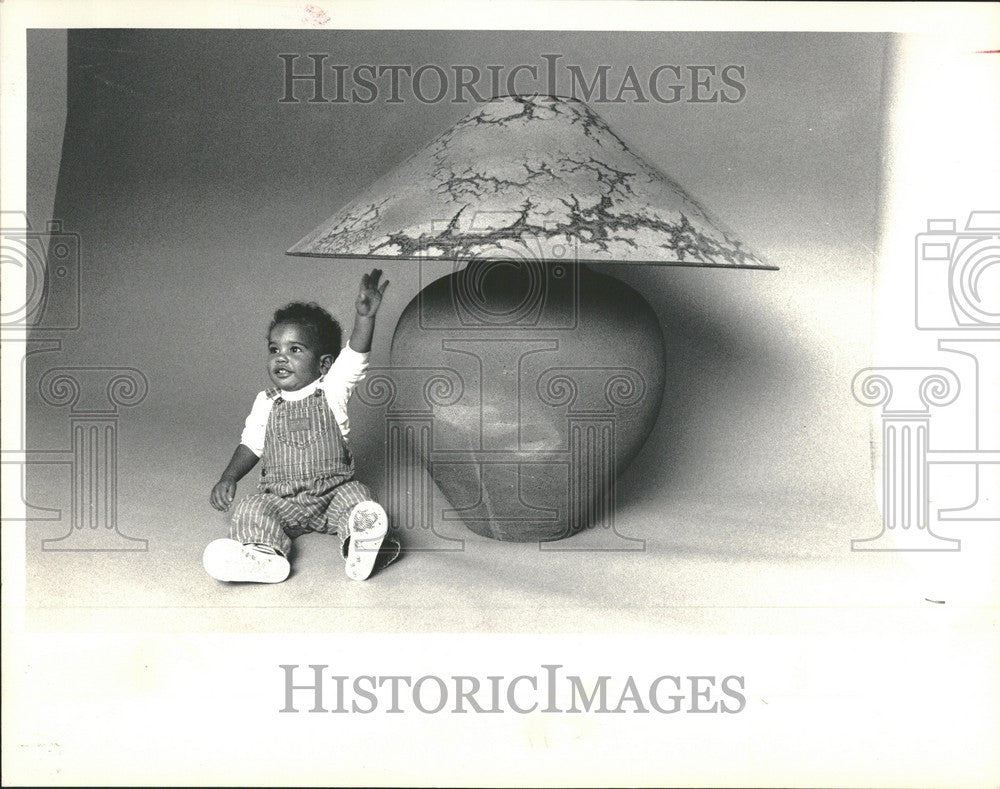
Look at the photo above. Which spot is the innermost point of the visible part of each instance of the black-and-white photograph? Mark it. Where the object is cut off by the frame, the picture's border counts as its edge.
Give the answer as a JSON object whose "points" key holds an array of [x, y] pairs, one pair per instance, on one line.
{"points": [[393, 397]]}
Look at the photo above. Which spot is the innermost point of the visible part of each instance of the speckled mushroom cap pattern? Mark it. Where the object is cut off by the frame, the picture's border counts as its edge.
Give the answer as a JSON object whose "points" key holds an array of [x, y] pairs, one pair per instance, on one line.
{"points": [[524, 175]]}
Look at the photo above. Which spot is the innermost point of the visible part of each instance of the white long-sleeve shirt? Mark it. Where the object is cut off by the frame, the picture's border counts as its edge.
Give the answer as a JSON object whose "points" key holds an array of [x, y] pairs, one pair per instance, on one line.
{"points": [[348, 371]]}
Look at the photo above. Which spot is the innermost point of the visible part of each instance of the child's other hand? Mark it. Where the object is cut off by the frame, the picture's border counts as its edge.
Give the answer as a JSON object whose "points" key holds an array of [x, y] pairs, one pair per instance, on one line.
{"points": [[370, 294], [223, 494]]}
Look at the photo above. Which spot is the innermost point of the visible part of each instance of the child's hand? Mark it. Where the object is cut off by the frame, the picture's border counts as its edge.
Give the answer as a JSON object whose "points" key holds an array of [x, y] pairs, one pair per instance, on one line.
{"points": [[370, 294], [223, 494]]}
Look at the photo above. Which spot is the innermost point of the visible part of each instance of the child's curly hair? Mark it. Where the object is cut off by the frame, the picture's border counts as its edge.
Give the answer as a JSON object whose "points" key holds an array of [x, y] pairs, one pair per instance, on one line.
{"points": [[320, 323]]}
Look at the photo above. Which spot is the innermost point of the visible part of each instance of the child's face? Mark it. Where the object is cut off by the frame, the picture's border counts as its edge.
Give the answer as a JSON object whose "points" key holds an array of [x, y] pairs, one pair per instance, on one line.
{"points": [[292, 358]]}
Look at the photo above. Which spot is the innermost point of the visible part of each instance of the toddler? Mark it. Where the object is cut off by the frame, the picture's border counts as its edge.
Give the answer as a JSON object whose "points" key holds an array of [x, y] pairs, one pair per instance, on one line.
{"points": [[299, 429]]}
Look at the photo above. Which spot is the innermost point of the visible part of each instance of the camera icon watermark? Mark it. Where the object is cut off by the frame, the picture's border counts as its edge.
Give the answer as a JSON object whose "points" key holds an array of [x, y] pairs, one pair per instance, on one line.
{"points": [[957, 294], [958, 274], [499, 274], [50, 260]]}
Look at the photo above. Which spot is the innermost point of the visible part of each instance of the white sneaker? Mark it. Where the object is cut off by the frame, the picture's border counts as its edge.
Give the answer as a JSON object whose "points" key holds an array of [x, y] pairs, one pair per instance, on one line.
{"points": [[367, 527], [229, 560]]}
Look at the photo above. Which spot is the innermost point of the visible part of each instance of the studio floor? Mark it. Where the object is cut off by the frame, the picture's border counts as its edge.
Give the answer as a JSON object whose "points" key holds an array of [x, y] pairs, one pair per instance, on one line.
{"points": [[693, 564]]}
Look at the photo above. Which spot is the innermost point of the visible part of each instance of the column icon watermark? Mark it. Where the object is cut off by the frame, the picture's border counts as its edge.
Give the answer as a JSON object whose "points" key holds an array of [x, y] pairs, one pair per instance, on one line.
{"points": [[956, 296], [52, 261]]}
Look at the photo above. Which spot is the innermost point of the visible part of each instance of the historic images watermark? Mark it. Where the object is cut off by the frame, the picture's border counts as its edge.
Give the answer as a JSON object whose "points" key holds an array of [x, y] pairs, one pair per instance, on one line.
{"points": [[505, 379], [956, 297], [315, 689], [310, 78], [51, 261]]}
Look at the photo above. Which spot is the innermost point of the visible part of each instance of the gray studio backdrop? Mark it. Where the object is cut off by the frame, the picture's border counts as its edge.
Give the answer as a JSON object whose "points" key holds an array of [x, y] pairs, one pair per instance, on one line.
{"points": [[186, 179]]}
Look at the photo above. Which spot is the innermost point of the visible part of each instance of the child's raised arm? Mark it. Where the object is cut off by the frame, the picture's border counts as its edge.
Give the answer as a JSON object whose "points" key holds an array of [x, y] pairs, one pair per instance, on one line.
{"points": [[224, 492], [367, 303]]}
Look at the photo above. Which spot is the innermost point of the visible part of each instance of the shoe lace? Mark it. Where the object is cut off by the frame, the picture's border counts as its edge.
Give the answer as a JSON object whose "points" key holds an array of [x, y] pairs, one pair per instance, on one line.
{"points": [[254, 551]]}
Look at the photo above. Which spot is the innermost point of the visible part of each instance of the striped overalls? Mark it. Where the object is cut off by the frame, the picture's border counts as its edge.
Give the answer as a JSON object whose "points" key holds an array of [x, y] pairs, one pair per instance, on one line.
{"points": [[306, 480]]}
